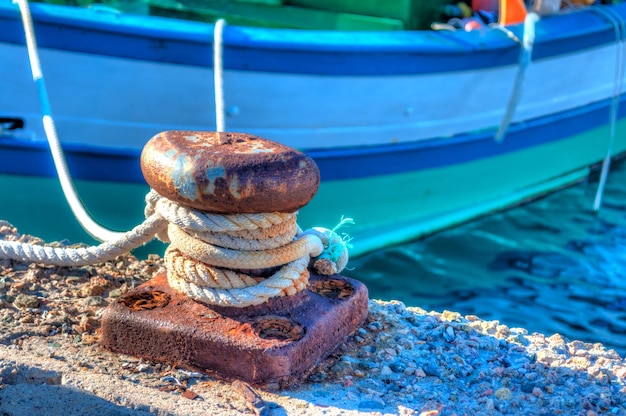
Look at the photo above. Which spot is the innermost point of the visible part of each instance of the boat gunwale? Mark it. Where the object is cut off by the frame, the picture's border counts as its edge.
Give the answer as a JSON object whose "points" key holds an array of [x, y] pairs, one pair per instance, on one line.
{"points": [[361, 53]]}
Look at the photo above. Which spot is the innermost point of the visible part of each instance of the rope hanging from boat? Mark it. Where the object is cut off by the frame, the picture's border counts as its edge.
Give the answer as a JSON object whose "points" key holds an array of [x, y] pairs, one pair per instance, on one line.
{"points": [[618, 81], [94, 229], [218, 74], [203, 270], [525, 58], [69, 190]]}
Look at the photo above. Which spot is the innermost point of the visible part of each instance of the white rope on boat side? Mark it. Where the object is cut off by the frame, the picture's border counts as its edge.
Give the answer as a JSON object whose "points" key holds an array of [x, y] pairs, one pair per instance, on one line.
{"points": [[618, 82], [525, 59], [69, 190], [218, 75]]}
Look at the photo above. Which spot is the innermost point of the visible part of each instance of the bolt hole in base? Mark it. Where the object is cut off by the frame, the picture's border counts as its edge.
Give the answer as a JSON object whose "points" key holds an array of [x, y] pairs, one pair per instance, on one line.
{"points": [[332, 288], [139, 301], [277, 328]]}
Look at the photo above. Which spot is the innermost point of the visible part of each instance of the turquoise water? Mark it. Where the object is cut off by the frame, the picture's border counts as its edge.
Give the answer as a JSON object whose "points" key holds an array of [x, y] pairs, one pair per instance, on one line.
{"points": [[550, 266], [36, 206]]}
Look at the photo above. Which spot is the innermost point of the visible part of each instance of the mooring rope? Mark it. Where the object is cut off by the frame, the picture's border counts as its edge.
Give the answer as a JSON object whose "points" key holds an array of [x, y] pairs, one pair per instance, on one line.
{"points": [[618, 82], [69, 190], [205, 271], [67, 256], [205, 248], [218, 74], [94, 229]]}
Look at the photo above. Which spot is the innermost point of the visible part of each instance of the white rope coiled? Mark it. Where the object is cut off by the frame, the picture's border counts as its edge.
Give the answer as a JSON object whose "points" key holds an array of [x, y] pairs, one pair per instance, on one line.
{"points": [[211, 256]]}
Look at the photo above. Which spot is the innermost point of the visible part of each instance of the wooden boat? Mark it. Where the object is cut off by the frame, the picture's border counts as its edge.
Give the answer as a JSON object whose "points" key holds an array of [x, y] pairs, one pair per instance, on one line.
{"points": [[402, 123]]}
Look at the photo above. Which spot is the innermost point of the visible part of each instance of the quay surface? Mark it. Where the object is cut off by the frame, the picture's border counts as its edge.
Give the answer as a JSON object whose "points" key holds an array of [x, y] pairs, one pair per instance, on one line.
{"points": [[403, 360]]}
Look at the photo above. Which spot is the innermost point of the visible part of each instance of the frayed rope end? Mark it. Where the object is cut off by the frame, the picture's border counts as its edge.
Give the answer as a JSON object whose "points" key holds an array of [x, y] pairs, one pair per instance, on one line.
{"points": [[334, 258]]}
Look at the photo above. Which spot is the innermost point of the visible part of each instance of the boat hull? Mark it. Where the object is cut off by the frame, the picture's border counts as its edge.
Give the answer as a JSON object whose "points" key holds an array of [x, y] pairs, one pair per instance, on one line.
{"points": [[405, 144]]}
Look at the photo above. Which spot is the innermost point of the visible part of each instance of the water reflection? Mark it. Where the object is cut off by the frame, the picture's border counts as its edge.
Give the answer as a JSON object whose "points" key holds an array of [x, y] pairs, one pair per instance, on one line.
{"points": [[552, 266]]}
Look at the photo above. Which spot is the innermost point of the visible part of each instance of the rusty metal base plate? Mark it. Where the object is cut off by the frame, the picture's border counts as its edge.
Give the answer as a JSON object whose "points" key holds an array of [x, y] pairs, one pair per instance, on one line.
{"points": [[278, 342]]}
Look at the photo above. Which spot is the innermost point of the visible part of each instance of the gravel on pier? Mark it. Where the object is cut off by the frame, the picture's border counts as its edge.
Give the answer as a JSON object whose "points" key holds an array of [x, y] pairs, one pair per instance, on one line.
{"points": [[403, 360]]}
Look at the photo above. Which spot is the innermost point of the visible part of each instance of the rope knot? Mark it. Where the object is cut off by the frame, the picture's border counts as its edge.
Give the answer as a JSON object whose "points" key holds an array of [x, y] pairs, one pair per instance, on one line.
{"points": [[334, 257]]}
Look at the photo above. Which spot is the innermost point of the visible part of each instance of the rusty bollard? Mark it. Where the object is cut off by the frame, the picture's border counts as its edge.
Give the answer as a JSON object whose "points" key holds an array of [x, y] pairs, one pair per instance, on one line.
{"points": [[175, 319]]}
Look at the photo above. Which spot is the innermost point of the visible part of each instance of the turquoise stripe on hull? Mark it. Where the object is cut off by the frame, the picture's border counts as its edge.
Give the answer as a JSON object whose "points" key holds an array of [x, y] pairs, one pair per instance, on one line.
{"points": [[387, 209], [397, 208]]}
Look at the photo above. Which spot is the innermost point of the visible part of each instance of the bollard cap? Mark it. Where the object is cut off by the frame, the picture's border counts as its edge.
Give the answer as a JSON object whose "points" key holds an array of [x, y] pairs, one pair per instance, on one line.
{"points": [[229, 173]]}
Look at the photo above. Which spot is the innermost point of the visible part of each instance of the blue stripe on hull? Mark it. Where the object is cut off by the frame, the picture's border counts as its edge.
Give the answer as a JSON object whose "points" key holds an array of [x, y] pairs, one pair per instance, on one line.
{"points": [[312, 52], [34, 159], [390, 159], [122, 165]]}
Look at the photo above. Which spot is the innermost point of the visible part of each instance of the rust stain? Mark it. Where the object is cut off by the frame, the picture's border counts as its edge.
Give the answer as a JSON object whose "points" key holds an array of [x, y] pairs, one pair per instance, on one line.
{"points": [[332, 288], [279, 341], [229, 172], [139, 301], [278, 328]]}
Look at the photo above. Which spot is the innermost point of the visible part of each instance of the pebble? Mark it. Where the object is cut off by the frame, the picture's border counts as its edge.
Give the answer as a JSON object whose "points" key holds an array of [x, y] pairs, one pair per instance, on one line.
{"points": [[431, 370], [94, 301], [116, 293], [371, 404], [503, 394], [449, 334], [24, 301], [398, 367]]}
